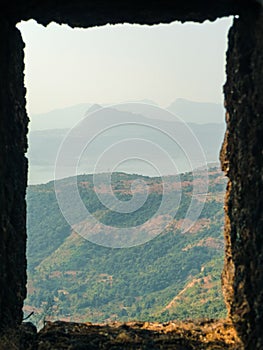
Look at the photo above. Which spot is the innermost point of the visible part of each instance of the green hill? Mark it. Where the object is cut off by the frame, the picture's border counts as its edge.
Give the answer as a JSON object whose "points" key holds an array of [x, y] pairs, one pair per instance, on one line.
{"points": [[173, 275]]}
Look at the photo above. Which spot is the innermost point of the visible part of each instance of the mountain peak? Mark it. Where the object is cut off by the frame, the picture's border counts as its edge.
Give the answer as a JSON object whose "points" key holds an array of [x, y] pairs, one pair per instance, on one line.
{"points": [[197, 112], [95, 107]]}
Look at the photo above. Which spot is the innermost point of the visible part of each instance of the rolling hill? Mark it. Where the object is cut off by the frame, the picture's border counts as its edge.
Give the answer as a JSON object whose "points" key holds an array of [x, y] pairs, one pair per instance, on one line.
{"points": [[173, 275]]}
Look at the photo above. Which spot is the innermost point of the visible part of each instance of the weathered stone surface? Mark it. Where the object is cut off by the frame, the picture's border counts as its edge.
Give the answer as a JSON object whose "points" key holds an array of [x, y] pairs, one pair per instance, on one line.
{"points": [[81, 13], [13, 174], [243, 163], [23, 337], [202, 334]]}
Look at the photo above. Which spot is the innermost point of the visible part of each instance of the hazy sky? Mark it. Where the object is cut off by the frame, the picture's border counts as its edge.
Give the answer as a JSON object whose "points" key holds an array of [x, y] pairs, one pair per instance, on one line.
{"points": [[113, 64]]}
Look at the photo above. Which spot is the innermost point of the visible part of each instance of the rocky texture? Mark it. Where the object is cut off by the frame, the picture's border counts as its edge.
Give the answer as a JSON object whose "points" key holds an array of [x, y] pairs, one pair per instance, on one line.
{"points": [[81, 13], [139, 335], [243, 163], [189, 335], [23, 337], [13, 174]]}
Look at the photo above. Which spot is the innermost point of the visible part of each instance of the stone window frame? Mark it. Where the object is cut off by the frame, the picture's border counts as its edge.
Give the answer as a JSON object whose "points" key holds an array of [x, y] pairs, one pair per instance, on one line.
{"points": [[240, 155]]}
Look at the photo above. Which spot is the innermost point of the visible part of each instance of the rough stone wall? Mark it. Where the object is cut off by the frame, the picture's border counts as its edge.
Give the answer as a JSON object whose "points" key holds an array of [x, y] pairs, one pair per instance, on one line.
{"points": [[87, 13], [13, 169], [242, 160]]}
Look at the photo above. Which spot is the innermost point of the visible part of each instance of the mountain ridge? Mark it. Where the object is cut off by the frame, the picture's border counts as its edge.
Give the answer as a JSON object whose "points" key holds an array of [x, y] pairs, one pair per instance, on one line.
{"points": [[190, 111], [72, 278], [44, 145]]}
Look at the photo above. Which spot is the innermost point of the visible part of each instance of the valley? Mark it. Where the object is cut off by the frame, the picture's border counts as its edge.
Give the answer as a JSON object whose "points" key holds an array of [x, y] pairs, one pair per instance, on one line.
{"points": [[174, 275]]}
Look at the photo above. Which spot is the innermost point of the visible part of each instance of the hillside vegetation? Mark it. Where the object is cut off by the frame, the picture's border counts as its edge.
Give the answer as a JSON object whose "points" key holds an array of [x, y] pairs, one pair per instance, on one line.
{"points": [[172, 276]]}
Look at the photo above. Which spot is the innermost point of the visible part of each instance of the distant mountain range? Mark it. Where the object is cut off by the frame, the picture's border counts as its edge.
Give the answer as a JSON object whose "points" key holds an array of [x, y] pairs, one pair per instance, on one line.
{"points": [[63, 118], [44, 144], [174, 275], [198, 112], [189, 111]]}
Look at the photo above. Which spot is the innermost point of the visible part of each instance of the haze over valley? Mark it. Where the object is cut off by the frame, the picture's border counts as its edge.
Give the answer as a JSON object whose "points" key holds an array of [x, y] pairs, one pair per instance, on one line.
{"points": [[47, 131]]}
